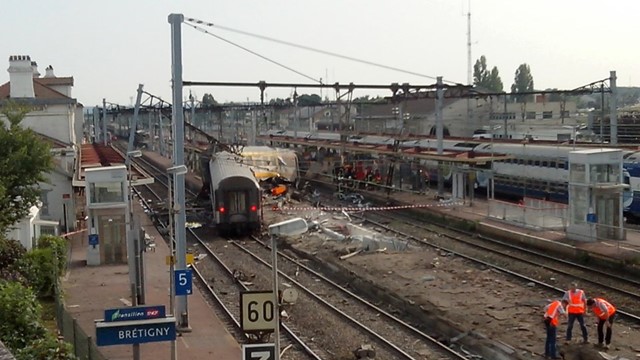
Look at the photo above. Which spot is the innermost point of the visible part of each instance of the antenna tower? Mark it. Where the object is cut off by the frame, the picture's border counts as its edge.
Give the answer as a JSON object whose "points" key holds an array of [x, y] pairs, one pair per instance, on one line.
{"points": [[469, 79]]}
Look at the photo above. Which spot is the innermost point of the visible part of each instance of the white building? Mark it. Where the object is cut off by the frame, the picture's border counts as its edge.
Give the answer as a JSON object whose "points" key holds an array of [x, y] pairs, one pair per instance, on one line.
{"points": [[57, 117], [28, 230]]}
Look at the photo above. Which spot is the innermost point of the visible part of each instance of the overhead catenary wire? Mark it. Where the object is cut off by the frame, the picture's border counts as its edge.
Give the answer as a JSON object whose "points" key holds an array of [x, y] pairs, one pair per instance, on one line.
{"points": [[304, 47], [254, 53]]}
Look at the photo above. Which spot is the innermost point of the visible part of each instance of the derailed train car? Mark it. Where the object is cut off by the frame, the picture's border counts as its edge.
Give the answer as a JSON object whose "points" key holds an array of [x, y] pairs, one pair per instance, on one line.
{"points": [[271, 166], [235, 195]]}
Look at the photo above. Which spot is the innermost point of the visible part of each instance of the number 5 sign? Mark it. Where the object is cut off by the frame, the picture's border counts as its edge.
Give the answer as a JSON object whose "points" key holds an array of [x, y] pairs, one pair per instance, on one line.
{"points": [[183, 282], [257, 311]]}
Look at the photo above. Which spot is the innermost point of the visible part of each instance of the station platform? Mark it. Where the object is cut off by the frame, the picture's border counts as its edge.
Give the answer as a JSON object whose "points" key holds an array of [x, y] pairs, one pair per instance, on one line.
{"points": [[477, 211], [89, 290], [193, 181]]}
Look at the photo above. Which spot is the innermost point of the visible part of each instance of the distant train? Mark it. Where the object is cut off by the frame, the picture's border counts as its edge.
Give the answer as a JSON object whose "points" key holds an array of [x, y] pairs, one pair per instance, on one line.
{"points": [[235, 195], [534, 170]]}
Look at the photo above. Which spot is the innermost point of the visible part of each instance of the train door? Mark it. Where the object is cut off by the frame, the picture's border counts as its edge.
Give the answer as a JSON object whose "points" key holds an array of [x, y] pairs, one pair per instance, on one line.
{"points": [[237, 202]]}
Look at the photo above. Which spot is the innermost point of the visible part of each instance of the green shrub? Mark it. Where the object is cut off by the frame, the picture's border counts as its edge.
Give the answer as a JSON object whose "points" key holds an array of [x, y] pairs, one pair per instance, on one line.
{"points": [[58, 245], [38, 266], [20, 315], [11, 252], [47, 348]]}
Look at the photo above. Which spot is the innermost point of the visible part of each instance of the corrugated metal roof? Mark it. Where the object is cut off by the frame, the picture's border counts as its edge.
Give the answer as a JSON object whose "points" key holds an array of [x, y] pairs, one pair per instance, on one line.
{"points": [[224, 165], [98, 155]]}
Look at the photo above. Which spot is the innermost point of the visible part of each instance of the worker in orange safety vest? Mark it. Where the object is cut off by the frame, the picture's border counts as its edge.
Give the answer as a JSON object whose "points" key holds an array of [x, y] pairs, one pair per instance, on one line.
{"points": [[577, 306], [551, 313], [605, 313]]}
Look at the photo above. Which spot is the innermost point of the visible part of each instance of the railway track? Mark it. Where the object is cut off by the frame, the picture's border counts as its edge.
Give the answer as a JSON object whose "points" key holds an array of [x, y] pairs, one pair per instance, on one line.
{"points": [[225, 296], [386, 329], [512, 259], [212, 272]]}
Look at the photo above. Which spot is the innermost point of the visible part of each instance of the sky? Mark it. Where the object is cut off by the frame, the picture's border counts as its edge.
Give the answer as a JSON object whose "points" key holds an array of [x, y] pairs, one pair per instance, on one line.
{"points": [[110, 47]]}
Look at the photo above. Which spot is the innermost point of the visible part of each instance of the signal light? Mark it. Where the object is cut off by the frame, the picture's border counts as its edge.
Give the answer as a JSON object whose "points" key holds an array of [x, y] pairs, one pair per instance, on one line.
{"points": [[254, 208], [221, 209]]}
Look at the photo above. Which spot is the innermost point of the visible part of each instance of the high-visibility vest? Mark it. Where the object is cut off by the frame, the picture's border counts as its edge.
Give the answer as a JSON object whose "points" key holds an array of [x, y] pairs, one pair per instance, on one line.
{"points": [[598, 311], [576, 302], [552, 312]]}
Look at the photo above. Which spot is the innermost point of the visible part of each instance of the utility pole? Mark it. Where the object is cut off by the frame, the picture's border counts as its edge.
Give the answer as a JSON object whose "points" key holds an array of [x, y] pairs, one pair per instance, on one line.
{"points": [[469, 77], [104, 121], [178, 159], [613, 108], [439, 132]]}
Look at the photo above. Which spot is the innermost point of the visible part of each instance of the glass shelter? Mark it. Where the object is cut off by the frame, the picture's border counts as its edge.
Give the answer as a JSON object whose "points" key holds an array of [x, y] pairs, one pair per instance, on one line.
{"points": [[596, 187], [108, 209]]}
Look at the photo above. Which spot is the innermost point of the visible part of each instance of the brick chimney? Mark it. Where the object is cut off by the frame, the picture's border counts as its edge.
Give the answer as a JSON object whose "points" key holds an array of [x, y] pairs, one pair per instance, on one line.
{"points": [[21, 76]]}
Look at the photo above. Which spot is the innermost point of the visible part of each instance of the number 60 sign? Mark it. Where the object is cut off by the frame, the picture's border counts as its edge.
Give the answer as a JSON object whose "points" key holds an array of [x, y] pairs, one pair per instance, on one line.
{"points": [[257, 311]]}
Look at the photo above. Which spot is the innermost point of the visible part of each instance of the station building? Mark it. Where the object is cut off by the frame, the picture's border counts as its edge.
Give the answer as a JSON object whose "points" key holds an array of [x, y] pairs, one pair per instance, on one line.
{"points": [[57, 118]]}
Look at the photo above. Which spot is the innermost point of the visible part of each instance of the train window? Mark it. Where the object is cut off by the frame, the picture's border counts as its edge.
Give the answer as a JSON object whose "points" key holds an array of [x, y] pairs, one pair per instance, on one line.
{"points": [[520, 162], [536, 163], [561, 164], [237, 202], [552, 164], [545, 163]]}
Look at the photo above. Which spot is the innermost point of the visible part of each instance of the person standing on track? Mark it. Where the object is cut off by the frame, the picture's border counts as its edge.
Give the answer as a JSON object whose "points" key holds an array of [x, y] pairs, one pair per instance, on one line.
{"points": [[605, 313], [577, 306], [552, 312]]}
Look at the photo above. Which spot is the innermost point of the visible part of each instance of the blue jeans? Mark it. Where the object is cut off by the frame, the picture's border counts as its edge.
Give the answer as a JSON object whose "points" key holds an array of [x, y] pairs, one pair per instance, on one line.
{"points": [[550, 344], [580, 318]]}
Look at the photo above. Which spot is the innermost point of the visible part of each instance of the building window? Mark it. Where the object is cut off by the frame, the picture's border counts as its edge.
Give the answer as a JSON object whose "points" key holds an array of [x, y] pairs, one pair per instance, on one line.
{"points": [[531, 115], [547, 114], [107, 192], [44, 210], [48, 230], [565, 114]]}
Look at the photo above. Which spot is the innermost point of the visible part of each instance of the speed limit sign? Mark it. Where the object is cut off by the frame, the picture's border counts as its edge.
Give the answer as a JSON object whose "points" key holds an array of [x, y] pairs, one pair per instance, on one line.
{"points": [[258, 311]]}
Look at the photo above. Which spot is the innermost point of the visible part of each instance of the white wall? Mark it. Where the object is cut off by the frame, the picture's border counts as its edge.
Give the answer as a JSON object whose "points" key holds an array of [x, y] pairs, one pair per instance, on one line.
{"points": [[56, 121], [58, 185], [24, 231]]}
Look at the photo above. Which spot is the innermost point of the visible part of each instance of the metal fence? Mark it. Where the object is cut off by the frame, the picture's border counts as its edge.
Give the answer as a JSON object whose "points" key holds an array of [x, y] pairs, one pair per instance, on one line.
{"points": [[84, 346], [534, 213]]}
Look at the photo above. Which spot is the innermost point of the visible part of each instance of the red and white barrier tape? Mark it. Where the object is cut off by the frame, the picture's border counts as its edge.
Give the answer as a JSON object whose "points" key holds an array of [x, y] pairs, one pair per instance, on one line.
{"points": [[378, 208]]}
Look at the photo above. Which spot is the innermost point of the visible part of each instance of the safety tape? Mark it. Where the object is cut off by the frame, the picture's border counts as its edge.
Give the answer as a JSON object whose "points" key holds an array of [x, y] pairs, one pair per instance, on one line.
{"points": [[373, 208], [73, 232]]}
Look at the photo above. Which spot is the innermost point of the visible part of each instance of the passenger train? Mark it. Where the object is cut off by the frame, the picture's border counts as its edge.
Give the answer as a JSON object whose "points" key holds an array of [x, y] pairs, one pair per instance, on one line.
{"points": [[533, 170], [235, 195]]}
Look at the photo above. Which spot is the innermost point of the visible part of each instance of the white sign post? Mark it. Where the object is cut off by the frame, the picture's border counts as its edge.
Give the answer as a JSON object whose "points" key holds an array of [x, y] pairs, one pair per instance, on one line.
{"points": [[257, 311], [290, 227], [258, 352]]}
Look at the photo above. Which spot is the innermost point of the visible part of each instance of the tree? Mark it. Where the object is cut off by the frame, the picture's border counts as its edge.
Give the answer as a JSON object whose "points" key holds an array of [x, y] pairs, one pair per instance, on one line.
{"points": [[208, 101], [24, 162], [486, 79], [309, 100], [553, 97], [523, 82]]}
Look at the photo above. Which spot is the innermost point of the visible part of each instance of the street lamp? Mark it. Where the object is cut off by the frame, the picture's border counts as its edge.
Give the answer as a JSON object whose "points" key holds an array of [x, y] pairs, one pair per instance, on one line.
{"points": [[135, 275], [292, 227], [171, 173]]}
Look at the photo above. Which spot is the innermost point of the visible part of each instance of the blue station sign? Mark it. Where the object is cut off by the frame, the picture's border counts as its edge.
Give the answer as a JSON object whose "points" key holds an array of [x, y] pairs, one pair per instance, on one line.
{"points": [[135, 313], [135, 332]]}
